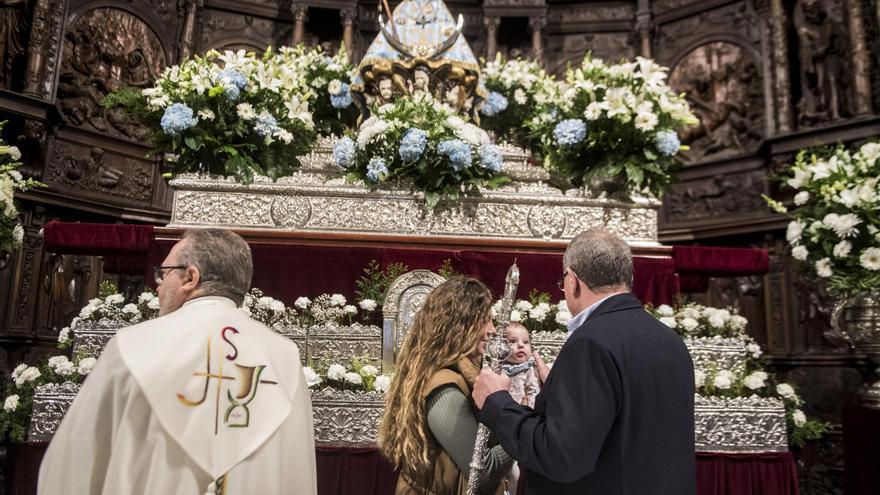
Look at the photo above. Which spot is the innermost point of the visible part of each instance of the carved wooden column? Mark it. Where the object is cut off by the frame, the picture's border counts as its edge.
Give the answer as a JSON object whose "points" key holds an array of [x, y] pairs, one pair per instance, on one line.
{"points": [[644, 26], [782, 84], [188, 33], [765, 24], [348, 18], [44, 48], [491, 24], [860, 59], [300, 17], [536, 26]]}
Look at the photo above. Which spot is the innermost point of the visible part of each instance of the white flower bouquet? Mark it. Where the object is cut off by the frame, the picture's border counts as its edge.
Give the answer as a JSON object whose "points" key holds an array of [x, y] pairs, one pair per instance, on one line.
{"points": [[425, 144], [835, 223], [616, 123], [11, 180], [110, 310], [537, 314], [696, 321], [357, 376], [516, 87], [230, 114]]}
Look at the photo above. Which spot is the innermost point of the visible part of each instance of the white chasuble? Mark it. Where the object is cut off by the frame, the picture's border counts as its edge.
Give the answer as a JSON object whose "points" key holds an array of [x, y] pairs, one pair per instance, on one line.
{"points": [[203, 400]]}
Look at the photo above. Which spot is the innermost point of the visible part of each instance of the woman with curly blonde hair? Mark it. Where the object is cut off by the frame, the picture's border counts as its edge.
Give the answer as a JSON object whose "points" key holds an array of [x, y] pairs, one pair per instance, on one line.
{"points": [[429, 427]]}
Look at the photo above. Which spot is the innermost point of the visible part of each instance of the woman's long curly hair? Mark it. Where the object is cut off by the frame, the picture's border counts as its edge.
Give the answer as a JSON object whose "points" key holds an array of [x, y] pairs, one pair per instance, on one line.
{"points": [[447, 328]]}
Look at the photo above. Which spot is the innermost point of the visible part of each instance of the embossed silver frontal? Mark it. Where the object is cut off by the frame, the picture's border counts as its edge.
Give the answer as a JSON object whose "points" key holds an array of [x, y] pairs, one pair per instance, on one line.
{"points": [[741, 424]]}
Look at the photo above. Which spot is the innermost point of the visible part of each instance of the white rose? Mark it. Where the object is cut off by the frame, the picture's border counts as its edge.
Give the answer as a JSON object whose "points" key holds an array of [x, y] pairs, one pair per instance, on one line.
{"points": [[337, 300], [823, 268], [800, 253], [368, 305], [754, 381], [716, 321], [65, 368], [785, 390], [336, 372], [537, 314], [311, 377], [56, 361], [349, 309], [798, 417], [86, 365], [11, 403], [115, 299], [563, 317], [515, 315], [668, 321], [369, 370], [146, 297], [302, 302], [130, 308], [801, 198], [689, 324], [699, 378], [665, 310], [154, 303], [723, 381], [870, 259], [353, 378], [691, 312], [18, 370], [382, 383], [86, 312], [754, 350], [543, 307], [28, 375]]}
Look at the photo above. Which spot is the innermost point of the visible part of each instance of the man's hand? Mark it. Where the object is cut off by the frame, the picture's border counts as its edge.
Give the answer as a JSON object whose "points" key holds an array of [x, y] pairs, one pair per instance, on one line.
{"points": [[487, 384], [543, 369]]}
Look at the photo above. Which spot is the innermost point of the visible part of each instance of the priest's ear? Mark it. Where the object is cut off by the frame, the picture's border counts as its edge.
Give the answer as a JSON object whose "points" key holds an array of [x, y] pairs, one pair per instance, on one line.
{"points": [[192, 280]]}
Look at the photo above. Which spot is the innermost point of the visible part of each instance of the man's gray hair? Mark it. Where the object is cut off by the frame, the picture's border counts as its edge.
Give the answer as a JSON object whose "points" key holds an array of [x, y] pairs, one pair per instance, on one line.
{"points": [[600, 259], [223, 259]]}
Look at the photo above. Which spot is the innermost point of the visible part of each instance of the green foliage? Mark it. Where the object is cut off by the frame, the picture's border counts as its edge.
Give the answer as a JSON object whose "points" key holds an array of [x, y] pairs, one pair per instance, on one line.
{"points": [[375, 281], [107, 288], [447, 269]]}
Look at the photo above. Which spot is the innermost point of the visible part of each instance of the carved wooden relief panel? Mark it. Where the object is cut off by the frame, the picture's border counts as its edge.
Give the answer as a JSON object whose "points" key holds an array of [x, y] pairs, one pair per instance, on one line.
{"points": [[234, 31], [92, 169], [723, 85], [104, 50], [718, 196]]}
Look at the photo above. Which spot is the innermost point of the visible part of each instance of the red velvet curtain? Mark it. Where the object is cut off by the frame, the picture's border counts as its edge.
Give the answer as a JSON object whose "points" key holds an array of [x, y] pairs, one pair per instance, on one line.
{"points": [[746, 474]]}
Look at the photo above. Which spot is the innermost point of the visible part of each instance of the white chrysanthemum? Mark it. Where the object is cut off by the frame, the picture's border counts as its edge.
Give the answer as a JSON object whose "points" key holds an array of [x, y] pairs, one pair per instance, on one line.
{"points": [[848, 197], [801, 198], [115, 299], [668, 321], [723, 380], [754, 381], [18, 371], [336, 372], [823, 268], [545, 307], [798, 417], [64, 335], [29, 374], [146, 297], [56, 361], [699, 378], [689, 324], [154, 304], [302, 302], [800, 253], [522, 305], [334, 87], [665, 310], [537, 314], [785, 391], [368, 305], [716, 321], [754, 350], [515, 315], [563, 306], [11, 403], [382, 383], [847, 225], [690, 312], [86, 365], [131, 309], [353, 378], [646, 121], [349, 309], [519, 96], [794, 231], [337, 300], [245, 111], [369, 370], [563, 317], [66, 368], [842, 249], [206, 114], [870, 259], [739, 322], [311, 377]]}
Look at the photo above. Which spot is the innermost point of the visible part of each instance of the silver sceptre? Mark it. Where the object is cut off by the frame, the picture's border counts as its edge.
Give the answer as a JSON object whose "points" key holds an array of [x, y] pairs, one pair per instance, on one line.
{"points": [[497, 351]]}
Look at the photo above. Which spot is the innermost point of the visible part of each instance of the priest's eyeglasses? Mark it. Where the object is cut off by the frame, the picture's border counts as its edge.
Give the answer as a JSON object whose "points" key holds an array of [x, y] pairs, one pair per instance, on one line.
{"points": [[159, 272], [561, 282]]}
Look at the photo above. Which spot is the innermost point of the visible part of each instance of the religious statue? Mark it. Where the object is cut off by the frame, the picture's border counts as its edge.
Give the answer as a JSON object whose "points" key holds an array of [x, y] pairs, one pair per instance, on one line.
{"points": [[421, 83], [13, 34], [823, 76]]}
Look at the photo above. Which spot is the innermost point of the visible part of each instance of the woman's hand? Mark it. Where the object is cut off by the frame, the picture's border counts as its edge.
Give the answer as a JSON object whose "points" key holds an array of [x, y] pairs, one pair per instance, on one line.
{"points": [[543, 369]]}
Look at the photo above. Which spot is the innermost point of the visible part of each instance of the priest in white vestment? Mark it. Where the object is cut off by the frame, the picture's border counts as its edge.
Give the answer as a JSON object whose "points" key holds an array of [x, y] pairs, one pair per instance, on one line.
{"points": [[200, 400]]}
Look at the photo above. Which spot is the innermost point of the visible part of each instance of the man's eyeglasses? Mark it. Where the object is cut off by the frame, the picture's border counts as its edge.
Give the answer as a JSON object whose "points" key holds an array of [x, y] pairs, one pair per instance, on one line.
{"points": [[159, 272]]}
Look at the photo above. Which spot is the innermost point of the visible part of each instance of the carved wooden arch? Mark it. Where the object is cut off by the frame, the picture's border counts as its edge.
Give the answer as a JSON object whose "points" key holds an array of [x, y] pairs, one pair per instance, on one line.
{"points": [[403, 299], [164, 31], [236, 43], [734, 39]]}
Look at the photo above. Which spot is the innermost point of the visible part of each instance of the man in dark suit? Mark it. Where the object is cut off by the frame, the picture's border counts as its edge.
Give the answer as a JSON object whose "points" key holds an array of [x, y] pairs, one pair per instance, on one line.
{"points": [[616, 414]]}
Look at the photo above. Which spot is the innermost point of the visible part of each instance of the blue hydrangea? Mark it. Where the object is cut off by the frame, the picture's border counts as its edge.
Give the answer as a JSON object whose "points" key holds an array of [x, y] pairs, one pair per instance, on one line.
{"points": [[231, 92], [667, 142], [344, 152], [570, 132], [413, 145], [230, 77], [458, 151], [265, 124], [494, 104], [177, 118], [376, 169], [341, 99], [490, 157]]}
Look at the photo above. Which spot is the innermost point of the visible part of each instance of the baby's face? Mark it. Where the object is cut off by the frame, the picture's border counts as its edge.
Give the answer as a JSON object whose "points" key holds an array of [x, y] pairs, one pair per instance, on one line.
{"points": [[520, 345]]}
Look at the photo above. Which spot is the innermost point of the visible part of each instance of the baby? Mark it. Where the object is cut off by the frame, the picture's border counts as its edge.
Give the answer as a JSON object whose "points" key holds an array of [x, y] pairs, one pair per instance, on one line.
{"points": [[521, 366]]}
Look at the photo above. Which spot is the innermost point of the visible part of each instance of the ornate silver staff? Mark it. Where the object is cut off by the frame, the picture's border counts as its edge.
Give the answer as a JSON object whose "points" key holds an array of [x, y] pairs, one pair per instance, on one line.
{"points": [[496, 352]]}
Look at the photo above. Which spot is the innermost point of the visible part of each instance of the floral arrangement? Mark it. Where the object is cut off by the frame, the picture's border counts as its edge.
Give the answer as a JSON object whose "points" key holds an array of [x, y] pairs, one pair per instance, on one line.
{"points": [[358, 377], [835, 223], [537, 314], [11, 180], [305, 312], [612, 122], [372, 286], [110, 310], [424, 143], [516, 87], [232, 113], [747, 377]]}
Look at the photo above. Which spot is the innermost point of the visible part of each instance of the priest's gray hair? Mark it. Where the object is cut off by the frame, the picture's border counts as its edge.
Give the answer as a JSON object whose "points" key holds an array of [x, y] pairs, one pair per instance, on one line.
{"points": [[600, 259], [224, 262]]}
